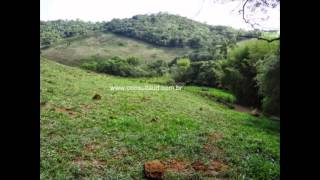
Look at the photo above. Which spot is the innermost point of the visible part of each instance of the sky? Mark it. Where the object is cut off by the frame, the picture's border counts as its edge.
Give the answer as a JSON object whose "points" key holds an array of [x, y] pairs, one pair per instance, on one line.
{"points": [[205, 11]]}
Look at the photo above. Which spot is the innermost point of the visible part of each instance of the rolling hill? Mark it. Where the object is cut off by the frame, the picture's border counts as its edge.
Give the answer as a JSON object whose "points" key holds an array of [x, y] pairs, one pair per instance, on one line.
{"points": [[112, 136], [92, 127], [107, 45], [173, 31], [149, 37]]}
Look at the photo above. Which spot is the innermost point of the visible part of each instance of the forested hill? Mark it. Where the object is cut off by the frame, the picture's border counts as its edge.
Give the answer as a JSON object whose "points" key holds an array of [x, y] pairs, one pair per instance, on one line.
{"points": [[173, 30], [159, 29]]}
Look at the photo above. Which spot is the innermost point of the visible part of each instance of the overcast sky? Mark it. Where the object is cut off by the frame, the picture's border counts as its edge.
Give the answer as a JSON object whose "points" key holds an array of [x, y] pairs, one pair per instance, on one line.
{"points": [[105, 10]]}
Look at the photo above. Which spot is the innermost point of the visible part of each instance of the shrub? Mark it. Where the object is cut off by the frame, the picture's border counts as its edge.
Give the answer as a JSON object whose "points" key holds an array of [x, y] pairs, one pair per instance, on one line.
{"points": [[170, 82], [240, 70], [159, 67], [205, 73], [92, 66], [183, 63], [269, 84], [179, 70], [133, 61], [119, 67], [130, 67]]}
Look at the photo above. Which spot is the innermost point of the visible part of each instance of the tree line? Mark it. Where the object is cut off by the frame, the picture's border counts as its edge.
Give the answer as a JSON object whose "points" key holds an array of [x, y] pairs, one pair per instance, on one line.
{"points": [[251, 71]]}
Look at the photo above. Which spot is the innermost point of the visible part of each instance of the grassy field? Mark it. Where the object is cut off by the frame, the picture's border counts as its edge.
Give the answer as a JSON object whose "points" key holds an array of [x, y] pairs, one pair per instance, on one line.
{"points": [[113, 137], [216, 93], [108, 45]]}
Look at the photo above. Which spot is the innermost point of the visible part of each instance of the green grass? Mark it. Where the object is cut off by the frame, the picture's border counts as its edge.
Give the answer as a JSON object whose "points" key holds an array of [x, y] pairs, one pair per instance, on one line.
{"points": [[111, 138], [108, 45], [213, 92], [159, 80]]}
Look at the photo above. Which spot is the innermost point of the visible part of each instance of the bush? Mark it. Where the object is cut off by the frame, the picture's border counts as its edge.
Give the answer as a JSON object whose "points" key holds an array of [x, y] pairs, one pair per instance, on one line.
{"points": [[179, 70], [269, 84], [120, 67], [183, 63], [240, 70], [194, 57], [92, 66], [204, 73], [133, 61], [242, 86], [158, 67], [200, 56], [170, 82], [130, 67]]}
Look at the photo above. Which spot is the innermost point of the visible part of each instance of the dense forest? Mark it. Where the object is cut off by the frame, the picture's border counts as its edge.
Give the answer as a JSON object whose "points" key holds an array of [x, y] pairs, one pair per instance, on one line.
{"points": [[174, 31], [251, 71], [160, 29], [55, 31]]}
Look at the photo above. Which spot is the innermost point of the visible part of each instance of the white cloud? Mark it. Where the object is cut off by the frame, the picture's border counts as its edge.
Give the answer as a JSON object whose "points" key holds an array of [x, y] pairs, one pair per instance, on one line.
{"points": [[105, 10]]}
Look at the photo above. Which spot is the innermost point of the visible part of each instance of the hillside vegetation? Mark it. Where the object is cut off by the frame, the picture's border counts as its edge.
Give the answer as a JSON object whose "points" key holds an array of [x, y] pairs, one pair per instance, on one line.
{"points": [[214, 117], [158, 29], [112, 136], [250, 69], [107, 45], [52, 32], [173, 31]]}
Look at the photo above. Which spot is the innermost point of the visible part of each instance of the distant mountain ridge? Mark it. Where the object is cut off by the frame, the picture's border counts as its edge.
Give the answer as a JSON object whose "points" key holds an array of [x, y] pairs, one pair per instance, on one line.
{"points": [[173, 31], [160, 29]]}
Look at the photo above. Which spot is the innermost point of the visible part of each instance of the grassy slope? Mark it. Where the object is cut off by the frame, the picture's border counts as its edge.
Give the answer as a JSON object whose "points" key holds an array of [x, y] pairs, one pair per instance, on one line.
{"points": [[114, 136], [108, 45], [218, 93]]}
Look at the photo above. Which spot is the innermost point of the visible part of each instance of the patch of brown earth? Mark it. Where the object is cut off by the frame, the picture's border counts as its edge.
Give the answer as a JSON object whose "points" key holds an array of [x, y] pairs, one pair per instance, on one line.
{"points": [[214, 168], [98, 162], [199, 166], [154, 169], [84, 163], [87, 106], [253, 112], [218, 166], [176, 165], [68, 111], [91, 147]]}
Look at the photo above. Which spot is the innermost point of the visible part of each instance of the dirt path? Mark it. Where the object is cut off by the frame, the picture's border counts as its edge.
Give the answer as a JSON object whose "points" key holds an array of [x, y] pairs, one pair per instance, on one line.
{"points": [[241, 108]]}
